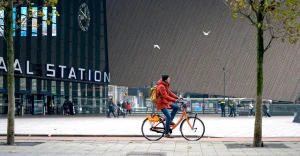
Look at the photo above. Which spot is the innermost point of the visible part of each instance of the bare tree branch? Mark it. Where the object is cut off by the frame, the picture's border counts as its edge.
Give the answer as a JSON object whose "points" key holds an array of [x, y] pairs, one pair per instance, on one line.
{"points": [[270, 41], [249, 17]]}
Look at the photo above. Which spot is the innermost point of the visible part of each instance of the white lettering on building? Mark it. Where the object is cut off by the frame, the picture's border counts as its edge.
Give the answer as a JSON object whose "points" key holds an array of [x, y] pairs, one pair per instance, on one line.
{"points": [[72, 73], [52, 71], [81, 72], [27, 68], [96, 79], [17, 66], [62, 70], [106, 77], [2, 64]]}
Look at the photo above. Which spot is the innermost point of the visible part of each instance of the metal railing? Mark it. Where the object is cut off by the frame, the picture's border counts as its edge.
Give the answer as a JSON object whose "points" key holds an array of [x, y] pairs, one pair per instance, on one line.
{"points": [[274, 109]]}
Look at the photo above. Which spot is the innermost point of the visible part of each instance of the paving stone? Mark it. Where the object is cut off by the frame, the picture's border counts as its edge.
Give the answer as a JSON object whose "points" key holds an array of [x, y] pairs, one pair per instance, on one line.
{"points": [[194, 154], [224, 153], [238, 153]]}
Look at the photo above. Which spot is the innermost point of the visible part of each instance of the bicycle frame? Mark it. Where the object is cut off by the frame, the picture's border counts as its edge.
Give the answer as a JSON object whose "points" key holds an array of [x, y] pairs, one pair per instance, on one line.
{"points": [[182, 117]]}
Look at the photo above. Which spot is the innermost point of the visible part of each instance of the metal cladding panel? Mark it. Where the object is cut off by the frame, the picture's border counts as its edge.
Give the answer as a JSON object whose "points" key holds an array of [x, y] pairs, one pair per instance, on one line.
{"points": [[194, 61]]}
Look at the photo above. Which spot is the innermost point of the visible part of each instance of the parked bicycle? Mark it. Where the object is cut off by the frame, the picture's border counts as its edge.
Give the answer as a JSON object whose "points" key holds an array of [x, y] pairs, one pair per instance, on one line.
{"points": [[191, 127]]}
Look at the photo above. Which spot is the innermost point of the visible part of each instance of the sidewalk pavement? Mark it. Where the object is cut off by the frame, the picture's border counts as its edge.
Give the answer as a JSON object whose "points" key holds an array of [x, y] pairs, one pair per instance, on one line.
{"points": [[146, 148], [215, 126]]}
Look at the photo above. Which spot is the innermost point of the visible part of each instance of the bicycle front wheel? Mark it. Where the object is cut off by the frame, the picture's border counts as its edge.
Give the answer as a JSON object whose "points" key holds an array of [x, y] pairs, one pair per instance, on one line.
{"points": [[153, 131], [192, 129]]}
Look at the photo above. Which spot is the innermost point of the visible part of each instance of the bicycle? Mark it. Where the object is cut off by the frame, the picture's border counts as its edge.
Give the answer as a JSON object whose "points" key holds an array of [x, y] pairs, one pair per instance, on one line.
{"points": [[191, 127]]}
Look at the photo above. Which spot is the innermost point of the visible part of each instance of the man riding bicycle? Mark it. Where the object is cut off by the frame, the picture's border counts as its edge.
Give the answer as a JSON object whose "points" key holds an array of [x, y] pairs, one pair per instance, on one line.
{"points": [[165, 101]]}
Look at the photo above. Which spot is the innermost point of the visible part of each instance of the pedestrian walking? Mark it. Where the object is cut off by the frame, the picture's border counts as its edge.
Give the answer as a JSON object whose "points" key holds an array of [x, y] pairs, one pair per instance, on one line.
{"points": [[128, 108], [66, 108], [266, 111], [119, 109], [250, 109], [124, 109], [18, 107], [111, 108], [231, 109], [223, 108], [51, 106], [234, 107]]}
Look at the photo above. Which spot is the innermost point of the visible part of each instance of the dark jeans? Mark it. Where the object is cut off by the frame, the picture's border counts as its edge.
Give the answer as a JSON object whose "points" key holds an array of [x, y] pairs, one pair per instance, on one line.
{"points": [[223, 111], [129, 111], [18, 110], [232, 112], [121, 112], [51, 111], [169, 116], [111, 110], [266, 113], [250, 112]]}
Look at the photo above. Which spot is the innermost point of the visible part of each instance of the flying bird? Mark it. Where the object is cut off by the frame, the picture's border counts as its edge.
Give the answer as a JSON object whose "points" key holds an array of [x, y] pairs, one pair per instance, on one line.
{"points": [[156, 46], [206, 33]]}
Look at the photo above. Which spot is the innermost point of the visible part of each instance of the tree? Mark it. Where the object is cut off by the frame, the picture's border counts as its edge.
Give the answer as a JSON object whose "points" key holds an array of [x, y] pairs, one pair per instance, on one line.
{"points": [[279, 18], [7, 6]]}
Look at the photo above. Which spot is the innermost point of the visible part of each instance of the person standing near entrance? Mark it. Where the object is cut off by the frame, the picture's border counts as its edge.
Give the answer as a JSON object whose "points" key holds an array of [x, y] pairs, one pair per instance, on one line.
{"points": [[231, 109], [124, 109], [119, 109], [128, 107], [223, 108], [51, 107], [111, 108], [266, 110], [250, 109], [18, 107], [234, 107]]}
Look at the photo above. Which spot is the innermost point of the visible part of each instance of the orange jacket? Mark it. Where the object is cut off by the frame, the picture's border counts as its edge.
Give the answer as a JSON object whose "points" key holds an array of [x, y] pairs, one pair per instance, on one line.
{"points": [[128, 106], [164, 96]]}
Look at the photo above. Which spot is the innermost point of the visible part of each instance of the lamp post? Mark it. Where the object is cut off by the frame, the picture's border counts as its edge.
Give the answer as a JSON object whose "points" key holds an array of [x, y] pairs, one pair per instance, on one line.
{"points": [[225, 89], [224, 81]]}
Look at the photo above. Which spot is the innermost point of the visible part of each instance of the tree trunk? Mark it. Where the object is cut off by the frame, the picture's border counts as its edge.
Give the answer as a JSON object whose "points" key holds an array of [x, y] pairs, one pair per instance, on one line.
{"points": [[8, 33], [259, 84]]}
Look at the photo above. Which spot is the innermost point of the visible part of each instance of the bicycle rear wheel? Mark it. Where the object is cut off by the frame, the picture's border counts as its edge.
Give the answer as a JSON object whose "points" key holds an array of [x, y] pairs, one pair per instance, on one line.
{"points": [[192, 129], [153, 131]]}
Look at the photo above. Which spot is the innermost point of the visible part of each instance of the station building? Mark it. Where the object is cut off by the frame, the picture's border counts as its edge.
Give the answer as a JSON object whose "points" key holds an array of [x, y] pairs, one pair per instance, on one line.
{"points": [[64, 61]]}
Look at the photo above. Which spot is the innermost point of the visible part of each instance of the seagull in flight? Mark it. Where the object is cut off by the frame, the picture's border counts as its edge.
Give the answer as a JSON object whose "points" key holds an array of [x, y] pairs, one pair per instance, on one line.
{"points": [[206, 33], [156, 46]]}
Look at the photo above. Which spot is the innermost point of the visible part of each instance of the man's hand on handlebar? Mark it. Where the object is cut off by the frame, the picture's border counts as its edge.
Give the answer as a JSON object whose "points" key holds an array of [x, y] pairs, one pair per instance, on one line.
{"points": [[179, 100]]}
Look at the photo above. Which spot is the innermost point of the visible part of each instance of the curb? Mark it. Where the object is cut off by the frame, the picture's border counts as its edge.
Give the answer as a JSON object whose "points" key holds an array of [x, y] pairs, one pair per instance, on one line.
{"points": [[127, 138], [79, 135]]}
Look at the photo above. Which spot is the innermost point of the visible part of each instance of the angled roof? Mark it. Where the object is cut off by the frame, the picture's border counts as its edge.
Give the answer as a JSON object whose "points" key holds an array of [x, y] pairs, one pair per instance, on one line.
{"points": [[193, 60]]}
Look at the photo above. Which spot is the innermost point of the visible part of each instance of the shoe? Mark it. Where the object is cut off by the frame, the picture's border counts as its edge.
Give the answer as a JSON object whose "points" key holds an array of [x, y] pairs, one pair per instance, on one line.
{"points": [[168, 135], [172, 123]]}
